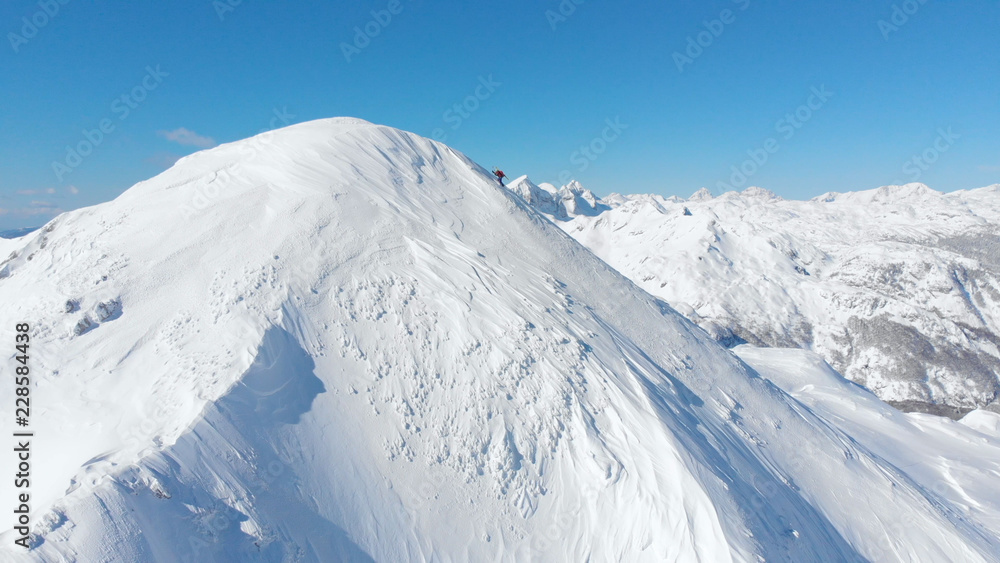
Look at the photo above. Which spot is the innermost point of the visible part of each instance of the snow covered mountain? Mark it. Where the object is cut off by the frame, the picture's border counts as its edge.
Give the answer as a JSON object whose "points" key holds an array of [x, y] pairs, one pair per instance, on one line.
{"points": [[898, 288], [344, 342]]}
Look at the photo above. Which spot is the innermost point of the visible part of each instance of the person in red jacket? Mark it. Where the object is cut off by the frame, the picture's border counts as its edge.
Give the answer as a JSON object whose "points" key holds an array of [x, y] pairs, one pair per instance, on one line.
{"points": [[499, 174]]}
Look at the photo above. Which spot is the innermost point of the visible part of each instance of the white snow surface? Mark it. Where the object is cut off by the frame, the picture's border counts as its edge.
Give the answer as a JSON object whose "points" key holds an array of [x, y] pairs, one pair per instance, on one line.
{"points": [[344, 342], [898, 288], [942, 455]]}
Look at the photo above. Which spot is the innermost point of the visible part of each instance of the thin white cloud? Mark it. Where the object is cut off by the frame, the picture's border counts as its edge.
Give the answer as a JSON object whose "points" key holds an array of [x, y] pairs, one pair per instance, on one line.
{"points": [[73, 190], [186, 137], [31, 211], [40, 211], [49, 191], [989, 168]]}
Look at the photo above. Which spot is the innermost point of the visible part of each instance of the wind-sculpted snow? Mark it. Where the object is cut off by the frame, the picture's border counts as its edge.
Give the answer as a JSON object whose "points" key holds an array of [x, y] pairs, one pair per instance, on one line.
{"points": [[958, 460], [898, 288], [346, 342]]}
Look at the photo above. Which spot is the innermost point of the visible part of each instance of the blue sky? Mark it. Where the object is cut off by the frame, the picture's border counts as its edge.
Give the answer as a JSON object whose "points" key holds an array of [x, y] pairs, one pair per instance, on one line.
{"points": [[805, 97]]}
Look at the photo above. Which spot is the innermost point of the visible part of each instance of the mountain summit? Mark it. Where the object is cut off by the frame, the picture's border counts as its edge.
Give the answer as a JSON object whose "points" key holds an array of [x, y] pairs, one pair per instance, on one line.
{"points": [[341, 341]]}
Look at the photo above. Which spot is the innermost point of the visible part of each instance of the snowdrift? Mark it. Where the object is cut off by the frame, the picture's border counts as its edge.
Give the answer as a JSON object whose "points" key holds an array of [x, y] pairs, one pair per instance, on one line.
{"points": [[344, 342]]}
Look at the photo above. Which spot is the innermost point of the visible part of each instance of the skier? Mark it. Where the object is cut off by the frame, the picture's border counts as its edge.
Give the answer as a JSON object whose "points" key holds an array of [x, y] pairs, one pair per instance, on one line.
{"points": [[499, 174]]}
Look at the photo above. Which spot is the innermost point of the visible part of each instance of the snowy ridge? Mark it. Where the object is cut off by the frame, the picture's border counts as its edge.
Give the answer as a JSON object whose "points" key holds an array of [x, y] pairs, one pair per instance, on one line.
{"points": [[344, 341], [898, 287], [569, 201]]}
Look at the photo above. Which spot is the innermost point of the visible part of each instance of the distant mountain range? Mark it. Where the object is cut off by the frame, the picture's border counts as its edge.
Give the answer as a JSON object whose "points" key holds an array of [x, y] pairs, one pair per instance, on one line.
{"points": [[898, 288], [16, 233]]}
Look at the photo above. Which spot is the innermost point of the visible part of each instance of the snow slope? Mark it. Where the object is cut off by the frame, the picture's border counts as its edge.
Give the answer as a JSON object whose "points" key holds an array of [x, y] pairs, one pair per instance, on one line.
{"points": [[957, 460], [898, 288], [340, 341]]}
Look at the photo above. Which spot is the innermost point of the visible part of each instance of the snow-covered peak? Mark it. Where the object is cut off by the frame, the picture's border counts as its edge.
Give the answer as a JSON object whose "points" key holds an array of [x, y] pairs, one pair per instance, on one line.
{"points": [[913, 193], [701, 195], [906, 192], [545, 199], [563, 203], [757, 192], [614, 199], [548, 187], [578, 200], [342, 341], [827, 197]]}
